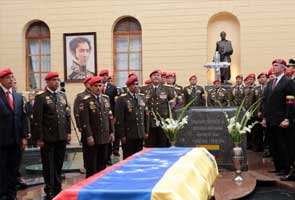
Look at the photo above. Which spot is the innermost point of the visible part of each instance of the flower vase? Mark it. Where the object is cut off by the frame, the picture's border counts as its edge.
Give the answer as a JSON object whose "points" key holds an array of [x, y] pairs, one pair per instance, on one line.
{"points": [[172, 143], [238, 158]]}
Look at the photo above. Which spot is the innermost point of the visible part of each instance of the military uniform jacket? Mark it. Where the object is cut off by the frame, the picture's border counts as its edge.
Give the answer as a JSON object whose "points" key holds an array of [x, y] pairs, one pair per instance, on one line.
{"points": [[191, 92], [51, 117], [249, 96], [77, 103], [96, 119], [158, 100], [258, 91], [236, 95], [217, 97], [132, 116]]}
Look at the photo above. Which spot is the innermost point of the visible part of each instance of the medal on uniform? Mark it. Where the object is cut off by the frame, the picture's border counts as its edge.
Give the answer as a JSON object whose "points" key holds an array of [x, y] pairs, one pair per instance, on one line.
{"points": [[92, 106], [129, 106], [141, 103], [48, 100], [221, 94], [163, 95], [189, 91]]}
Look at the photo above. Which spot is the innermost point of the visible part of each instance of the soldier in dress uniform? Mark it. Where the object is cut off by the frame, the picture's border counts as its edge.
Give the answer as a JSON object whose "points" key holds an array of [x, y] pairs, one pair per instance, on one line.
{"points": [[177, 89], [163, 76], [77, 103], [132, 117], [52, 131], [97, 127], [249, 100], [146, 84], [194, 91], [291, 102], [78, 100], [158, 98], [236, 93], [217, 96], [258, 131]]}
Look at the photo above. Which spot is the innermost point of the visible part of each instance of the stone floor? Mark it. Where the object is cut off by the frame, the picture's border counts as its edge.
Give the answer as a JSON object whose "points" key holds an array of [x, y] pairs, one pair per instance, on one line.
{"points": [[225, 187]]}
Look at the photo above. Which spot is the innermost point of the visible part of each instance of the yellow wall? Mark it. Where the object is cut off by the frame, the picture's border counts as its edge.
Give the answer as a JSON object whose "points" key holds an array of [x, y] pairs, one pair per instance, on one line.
{"points": [[175, 32]]}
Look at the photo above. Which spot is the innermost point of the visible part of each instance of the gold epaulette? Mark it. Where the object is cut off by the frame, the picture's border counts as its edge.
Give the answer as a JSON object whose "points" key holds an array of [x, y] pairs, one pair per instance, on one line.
{"points": [[40, 92], [168, 85], [123, 94], [86, 97], [104, 95], [289, 97], [141, 94], [61, 92]]}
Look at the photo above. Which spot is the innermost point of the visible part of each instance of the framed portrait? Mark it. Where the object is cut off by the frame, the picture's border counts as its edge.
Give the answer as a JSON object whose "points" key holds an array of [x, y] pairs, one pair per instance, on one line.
{"points": [[79, 56]]}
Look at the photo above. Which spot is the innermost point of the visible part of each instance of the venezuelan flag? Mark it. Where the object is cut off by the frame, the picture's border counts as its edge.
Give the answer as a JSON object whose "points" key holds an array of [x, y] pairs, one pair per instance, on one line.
{"points": [[158, 173], [213, 149]]}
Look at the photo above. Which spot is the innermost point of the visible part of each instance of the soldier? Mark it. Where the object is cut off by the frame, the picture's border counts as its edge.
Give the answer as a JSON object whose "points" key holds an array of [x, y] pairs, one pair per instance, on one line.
{"points": [[177, 89], [291, 146], [163, 76], [78, 100], [77, 103], [97, 127], [258, 130], [236, 93], [158, 98], [249, 100], [110, 90], [146, 84], [132, 118], [217, 96], [270, 74], [52, 130], [194, 91]]}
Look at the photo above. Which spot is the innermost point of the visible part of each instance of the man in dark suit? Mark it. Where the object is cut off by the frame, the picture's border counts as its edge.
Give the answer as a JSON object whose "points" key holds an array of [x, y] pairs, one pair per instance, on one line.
{"points": [[277, 117], [13, 129], [52, 131], [111, 90]]}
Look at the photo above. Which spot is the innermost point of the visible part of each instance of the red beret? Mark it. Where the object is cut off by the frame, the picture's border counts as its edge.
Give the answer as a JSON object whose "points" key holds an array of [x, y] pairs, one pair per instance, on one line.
{"points": [[103, 72], [155, 71], [131, 80], [239, 76], [148, 81], [249, 76], [192, 76], [216, 81], [95, 79], [270, 71], [171, 74], [5, 72], [87, 79], [51, 75], [132, 74], [163, 74], [110, 78], [279, 61], [261, 74]]}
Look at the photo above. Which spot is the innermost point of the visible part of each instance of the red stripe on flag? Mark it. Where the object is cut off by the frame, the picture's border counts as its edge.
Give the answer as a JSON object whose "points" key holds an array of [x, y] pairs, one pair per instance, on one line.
{"points": [[72, 192]]}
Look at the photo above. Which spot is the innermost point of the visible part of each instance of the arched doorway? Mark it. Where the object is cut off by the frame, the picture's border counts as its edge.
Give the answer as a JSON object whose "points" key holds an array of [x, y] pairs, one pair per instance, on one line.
{"points": [[224, 21]]}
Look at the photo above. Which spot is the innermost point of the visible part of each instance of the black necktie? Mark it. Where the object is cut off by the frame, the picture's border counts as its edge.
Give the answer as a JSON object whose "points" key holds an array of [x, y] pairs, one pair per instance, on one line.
{"points": [[54, 94], [274, 83], [194, 90]]}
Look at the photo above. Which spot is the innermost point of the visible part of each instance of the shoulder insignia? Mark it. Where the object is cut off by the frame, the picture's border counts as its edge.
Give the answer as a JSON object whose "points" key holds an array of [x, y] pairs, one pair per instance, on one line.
{"points": [[61, 92], [106, 96], [40, 92], [141, 94], [124, 94], [210, 90], [168, 85], [86, 97]]}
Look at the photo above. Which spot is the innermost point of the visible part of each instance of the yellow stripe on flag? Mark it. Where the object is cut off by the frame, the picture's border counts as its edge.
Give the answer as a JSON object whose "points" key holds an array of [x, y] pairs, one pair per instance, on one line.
{"points": [[209, 146], [191, 177]]}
